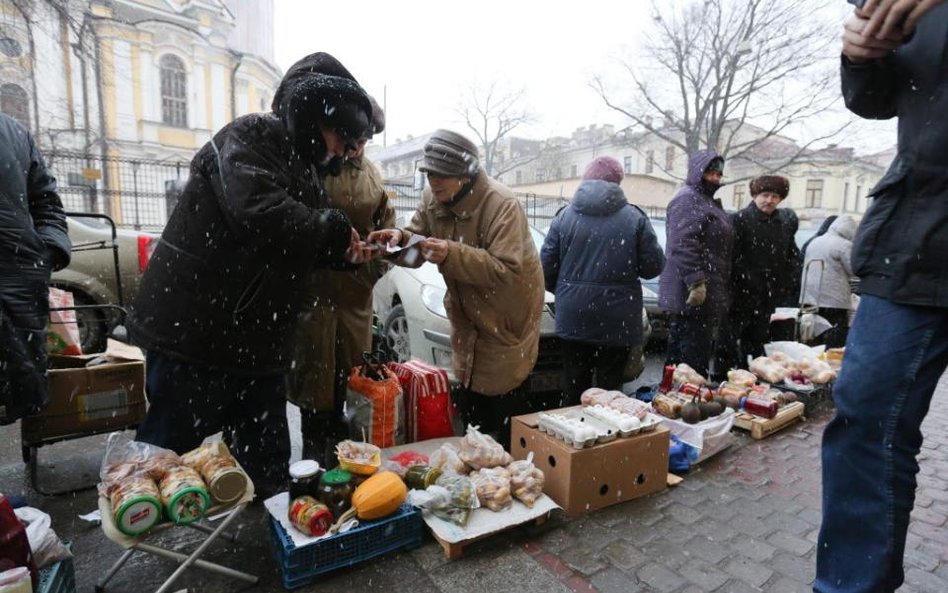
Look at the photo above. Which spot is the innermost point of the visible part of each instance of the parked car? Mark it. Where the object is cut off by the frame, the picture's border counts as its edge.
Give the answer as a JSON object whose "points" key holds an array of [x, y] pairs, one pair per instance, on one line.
{"points": [[409, 304], [91, 275]]}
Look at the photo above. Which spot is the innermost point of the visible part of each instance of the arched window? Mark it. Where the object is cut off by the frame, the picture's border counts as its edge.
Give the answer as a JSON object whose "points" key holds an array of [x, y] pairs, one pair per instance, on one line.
{"points": [[10, 47], [174, 92], [16, 103]]}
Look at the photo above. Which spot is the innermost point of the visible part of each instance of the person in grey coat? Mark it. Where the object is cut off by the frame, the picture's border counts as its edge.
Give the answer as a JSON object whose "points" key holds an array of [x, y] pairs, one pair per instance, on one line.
{"points": [[33, 243], [694, 285], [830, 290], [596, 250]]}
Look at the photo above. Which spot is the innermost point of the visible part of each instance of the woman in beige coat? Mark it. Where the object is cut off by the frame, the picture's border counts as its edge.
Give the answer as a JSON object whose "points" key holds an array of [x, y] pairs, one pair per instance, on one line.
{"points": [[476, 231]]}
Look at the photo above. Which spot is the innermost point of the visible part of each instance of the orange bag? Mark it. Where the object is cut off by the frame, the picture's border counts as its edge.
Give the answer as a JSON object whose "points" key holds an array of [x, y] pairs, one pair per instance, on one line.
{"points": [[375, 407]]}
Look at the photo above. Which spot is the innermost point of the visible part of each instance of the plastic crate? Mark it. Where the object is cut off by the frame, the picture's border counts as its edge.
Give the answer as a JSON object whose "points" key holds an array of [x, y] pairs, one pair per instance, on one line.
{"points": [[59, 577], [370, 539]]}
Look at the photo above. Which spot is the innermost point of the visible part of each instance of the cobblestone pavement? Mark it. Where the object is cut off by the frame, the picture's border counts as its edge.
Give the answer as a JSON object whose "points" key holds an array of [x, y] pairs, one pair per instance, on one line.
{"points": [[746, 520]]}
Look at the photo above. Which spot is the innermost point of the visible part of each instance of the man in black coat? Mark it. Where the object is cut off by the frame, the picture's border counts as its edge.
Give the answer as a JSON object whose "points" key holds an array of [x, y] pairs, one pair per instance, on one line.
{"points": [[763, 265], [218, 304], [33, 243], [897, 349]]}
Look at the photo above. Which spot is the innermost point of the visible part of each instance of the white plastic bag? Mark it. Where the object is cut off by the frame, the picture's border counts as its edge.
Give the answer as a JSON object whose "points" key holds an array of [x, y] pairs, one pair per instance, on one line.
{"points": [[47, 549]]}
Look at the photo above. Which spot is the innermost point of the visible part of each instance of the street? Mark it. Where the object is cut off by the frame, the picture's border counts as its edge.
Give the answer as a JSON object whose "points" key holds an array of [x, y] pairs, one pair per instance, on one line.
{"points": [[745, 520]]}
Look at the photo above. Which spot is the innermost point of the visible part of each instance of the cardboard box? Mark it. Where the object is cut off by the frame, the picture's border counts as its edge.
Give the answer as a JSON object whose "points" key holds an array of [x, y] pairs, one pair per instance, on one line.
{"points": [[108, 394], [583, 480]]}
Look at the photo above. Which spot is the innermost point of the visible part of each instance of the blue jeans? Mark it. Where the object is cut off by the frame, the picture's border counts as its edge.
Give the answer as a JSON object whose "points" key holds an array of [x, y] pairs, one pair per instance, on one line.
{"points": [[188, 402], [895, 355]]}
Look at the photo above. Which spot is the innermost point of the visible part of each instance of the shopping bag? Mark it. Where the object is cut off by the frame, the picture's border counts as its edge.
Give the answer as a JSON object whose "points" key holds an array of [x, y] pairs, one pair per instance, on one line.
{"points": [[62, 337], [374, 405], [428, 406]]}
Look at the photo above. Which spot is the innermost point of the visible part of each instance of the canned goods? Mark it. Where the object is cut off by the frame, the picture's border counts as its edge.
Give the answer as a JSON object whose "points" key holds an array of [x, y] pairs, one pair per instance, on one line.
{"points": [[419, 477], [668, 378], [304, 478], [310, 516]]}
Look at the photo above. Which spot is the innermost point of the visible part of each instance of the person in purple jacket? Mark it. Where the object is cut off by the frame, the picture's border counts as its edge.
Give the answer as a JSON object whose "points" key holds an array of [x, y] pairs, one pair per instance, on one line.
{"points": [[693, 287]]}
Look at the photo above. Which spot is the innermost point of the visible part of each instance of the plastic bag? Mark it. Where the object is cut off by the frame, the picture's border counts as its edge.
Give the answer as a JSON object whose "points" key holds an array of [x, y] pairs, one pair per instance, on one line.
{"points": [[448, 458], [526, 480], [493, 487], [62, 336], [124, 458], [46, 546], [452, 498], [374, 406], [480, 450], [428, 403]]}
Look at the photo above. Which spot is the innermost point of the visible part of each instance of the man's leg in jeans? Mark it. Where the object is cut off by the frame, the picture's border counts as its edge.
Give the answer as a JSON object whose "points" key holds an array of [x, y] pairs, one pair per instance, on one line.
{"points": [[185, 403], [894, 358], [258, 430]]}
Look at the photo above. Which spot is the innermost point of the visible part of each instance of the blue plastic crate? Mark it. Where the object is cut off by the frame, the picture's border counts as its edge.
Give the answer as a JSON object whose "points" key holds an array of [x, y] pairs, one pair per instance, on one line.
{"points": [[59, 577], [402, 530]]}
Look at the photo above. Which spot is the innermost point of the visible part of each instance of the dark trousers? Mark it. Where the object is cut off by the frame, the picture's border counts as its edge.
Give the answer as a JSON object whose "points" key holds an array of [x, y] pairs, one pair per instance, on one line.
{"points": [[834, 337], [492, 413], [188, 402], [588, 365], [691, 340], [742, 333]]}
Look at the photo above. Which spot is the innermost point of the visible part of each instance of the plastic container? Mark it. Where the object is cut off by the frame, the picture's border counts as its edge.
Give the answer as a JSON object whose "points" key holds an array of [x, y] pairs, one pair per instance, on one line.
{"points": [[301, 565], [14, 546], [59, 577], [668, 379], [419, 477], [759, 407], [304, 478], [184, 495], [16, 580], [335, 491]]}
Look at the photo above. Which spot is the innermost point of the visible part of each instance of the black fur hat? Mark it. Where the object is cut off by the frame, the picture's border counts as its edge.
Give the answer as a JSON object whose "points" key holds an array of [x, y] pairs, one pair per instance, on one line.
{"points": [[770, 183]]}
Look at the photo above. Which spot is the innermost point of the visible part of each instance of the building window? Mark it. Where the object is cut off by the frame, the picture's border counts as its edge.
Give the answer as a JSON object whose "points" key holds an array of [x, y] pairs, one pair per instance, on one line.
{"points": [[860, 204], [519, 177], [669, 158], [846, 197], [627, 165], [174, 92], [738, 200], [814, 193], [574, 171], [16, 103], [541, 175], [649, 162], [10, 47], [559, 173]]}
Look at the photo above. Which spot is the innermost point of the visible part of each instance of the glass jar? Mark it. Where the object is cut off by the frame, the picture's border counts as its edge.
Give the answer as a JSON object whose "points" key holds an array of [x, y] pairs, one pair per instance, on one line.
{"points": [[304, 478], [335, 491], [419, 477]]}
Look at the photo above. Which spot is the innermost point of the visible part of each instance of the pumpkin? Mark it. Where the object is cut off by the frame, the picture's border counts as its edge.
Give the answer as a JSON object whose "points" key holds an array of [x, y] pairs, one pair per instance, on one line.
{"points": [[377, 497]]}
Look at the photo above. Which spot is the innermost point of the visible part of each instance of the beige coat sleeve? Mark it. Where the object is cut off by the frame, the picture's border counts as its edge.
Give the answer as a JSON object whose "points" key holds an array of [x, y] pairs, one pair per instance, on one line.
{"points": [[501, 260]]}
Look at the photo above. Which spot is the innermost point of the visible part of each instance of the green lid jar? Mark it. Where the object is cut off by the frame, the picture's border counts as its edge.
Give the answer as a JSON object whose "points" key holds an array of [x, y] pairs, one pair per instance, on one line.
{"points": [[335, 491]]}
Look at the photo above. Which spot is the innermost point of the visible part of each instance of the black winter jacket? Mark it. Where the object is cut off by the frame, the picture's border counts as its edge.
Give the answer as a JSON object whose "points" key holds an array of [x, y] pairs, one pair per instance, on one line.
{"points": [[900, 248], [33, 241], [225, 285], [765, 258]]}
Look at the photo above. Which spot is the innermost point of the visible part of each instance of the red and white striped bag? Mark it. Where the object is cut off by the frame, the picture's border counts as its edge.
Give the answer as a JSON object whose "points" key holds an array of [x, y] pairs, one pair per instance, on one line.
{"points": [[428, 406]]}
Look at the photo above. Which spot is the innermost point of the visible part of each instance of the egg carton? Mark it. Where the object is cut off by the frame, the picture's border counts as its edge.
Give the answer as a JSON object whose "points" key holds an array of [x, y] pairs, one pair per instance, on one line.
{"points": [[625, 425], [650, 422], [575, 429]]}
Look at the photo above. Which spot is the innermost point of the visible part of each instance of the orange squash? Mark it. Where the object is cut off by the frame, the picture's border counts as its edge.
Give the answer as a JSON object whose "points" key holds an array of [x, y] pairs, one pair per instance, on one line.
{"points": [[377, 497]]}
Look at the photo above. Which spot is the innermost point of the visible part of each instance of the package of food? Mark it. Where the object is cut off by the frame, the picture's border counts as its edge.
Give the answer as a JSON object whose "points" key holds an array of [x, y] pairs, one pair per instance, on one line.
{"points": [[526, 480], [686, 374], [669, 404], [448, 458], [184, 495], [629, 405], [136, 504], [741, 377], [359, 458], [493, 487], [125, 457], [479, 450], [453, 498], [596, 396], [768, 369], [225, 480]]}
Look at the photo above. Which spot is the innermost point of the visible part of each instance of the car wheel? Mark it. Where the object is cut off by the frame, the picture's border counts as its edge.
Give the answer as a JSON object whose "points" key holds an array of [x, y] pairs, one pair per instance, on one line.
{"points": [[93, 330], [395, 332]]}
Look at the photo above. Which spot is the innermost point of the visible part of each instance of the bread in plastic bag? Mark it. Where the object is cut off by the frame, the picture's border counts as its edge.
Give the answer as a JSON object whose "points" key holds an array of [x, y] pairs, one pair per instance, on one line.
{"points": [[526, 480], [448, 458], [125, 458], [493, 487], [452, 498], [479, 450], [685, 374]]}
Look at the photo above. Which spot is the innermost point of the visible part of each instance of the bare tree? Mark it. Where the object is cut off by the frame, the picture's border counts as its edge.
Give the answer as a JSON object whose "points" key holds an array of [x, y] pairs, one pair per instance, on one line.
{"points": [[492, 113], [733, 75]]}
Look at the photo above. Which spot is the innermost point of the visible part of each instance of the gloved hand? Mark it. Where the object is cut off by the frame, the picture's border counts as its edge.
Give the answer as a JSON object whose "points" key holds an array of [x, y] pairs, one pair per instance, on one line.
{"points": [[697, 293]]}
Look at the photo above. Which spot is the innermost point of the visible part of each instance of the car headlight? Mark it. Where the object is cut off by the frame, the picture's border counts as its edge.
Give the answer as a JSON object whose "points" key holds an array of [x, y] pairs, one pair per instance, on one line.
{"points": [[433, 298]]}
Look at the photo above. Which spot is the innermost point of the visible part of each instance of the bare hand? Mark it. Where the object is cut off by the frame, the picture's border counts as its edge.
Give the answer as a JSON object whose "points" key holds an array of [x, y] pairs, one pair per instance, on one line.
{"points": [[435, 250], [357, 252], [895, 17], [390, 237], [859, 47]]}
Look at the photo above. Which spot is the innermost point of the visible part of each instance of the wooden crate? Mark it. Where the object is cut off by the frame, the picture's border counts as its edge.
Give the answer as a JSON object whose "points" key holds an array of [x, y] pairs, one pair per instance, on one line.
{"points": [[761, 428]]}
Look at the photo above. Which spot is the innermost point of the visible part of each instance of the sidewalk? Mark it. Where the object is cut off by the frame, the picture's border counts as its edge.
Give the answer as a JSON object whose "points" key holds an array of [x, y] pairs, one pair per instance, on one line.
{"points": [[746, 520]]}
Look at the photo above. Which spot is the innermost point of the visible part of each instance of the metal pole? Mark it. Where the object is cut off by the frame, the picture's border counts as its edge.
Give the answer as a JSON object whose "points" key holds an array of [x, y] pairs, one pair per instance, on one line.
{"points": [[135, 164]]}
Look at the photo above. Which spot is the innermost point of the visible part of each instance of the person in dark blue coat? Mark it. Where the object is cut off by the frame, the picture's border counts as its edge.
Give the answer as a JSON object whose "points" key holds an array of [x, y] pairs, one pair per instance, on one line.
{"points": [[593, 256]]}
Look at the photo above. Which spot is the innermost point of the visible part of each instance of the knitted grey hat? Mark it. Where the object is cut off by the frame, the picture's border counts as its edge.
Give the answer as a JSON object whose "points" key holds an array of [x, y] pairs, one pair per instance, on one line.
{"points": [[449, 153]]}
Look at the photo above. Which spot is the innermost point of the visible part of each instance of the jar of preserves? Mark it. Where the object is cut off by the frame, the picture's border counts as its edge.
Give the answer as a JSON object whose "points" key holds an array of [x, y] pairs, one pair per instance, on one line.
{"points": [[419, 477], [304, 478], [310, 516], [335, 491], [759, 407]]}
